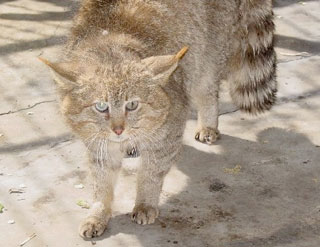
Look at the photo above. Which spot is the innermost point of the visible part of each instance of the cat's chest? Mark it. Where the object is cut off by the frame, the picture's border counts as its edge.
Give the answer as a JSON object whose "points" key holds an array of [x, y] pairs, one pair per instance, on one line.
{"points": [[118, 150]]}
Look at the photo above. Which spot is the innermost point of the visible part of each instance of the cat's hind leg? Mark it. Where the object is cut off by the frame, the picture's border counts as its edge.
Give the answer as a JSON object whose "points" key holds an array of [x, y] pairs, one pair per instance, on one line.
{"points": [[206, 100]]}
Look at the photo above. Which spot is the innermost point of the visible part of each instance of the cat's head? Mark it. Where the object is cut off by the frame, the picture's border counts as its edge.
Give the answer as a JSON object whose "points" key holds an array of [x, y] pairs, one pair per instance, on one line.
{"points": [[118, 101]]}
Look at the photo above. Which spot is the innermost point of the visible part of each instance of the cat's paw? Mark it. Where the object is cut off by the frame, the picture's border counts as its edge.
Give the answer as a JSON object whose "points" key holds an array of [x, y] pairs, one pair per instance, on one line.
{"points": [[144, 214], [207, 135], [92, 227]]}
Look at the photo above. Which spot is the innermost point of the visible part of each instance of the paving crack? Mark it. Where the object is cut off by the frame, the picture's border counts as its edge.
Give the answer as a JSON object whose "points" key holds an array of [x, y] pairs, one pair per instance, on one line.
{"points": [[228, 112], [284, 100], [68, 138], [27, 108], [298, 98], [302, 57]]}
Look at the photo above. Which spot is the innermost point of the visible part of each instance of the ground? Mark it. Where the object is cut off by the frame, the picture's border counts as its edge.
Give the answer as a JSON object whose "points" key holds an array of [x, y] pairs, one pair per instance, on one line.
{"points": [[258, 186]]}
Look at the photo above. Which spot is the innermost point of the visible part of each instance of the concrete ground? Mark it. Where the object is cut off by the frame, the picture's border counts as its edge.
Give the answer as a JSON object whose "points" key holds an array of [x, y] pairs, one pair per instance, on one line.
{"points": [[258, 186]]}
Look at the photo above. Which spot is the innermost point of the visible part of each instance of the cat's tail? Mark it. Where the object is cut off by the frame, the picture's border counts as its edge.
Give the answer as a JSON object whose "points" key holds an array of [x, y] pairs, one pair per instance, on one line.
{"points": [[253, 85]]}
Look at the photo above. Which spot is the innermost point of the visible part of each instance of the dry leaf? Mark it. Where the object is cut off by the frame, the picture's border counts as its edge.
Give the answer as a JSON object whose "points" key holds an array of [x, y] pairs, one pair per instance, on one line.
{"points": [[234, 170], [83, 204]]}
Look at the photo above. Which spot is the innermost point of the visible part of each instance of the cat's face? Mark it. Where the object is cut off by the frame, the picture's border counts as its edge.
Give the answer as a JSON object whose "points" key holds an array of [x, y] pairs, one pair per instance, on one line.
{"points": [[118, 102]]}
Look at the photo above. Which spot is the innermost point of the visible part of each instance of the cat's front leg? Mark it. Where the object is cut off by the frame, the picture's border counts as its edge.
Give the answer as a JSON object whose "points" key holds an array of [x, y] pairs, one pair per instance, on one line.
{"points": [[148, 191], [154, 167], [100, 212]]}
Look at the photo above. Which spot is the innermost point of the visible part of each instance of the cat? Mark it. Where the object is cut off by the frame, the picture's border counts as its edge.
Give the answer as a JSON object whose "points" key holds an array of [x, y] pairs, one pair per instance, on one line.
{"points": [[132, 69]]}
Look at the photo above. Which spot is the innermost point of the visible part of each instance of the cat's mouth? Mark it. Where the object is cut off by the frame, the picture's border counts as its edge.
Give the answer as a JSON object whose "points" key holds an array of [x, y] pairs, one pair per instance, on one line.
{"points": [[115, 138]]}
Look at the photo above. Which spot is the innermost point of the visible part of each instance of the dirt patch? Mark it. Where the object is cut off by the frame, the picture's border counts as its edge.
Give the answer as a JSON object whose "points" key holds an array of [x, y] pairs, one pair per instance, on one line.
{"points": [[198, 220], [268, 193], [80, 175], [216, 186], [45, 199], [24, 165], [219, 214]]}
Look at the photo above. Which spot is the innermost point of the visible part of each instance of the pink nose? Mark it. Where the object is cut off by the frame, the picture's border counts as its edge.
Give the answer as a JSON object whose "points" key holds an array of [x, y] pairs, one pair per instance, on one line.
{"points": [[118, 130]]}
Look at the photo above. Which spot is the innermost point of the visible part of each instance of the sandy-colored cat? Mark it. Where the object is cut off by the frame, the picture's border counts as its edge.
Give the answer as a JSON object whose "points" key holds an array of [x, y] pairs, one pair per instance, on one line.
{"points": [[122, 84]]}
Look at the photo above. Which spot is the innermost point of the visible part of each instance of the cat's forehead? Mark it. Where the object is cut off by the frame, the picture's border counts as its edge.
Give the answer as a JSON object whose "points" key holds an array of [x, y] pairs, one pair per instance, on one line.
{"points": [[117, 90], [119, 83]]}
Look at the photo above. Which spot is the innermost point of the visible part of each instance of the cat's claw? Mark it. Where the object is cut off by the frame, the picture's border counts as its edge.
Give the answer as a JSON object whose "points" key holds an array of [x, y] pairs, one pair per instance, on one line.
{"points": [[207, 135], [92, 227], [143, 214]]}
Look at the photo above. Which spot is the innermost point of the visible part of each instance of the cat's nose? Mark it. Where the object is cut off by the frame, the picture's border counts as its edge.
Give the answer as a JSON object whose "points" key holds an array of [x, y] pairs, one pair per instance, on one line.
{"points": [[118, 130]]}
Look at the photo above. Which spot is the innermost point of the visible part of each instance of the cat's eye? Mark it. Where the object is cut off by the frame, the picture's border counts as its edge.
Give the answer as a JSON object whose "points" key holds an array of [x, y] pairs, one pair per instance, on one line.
{"points": [[102, 106], [132, 105]]}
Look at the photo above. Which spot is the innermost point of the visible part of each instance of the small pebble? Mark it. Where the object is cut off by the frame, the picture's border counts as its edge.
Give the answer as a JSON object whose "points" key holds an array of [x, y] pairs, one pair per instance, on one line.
{"points": [[175, 242], [79, 186], [30, 113], [22, 185], [11, 221]]}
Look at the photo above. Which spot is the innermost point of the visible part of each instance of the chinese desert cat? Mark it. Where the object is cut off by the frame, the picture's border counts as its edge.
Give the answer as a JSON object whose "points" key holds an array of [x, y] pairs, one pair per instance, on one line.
{"points": [[122, 84]]}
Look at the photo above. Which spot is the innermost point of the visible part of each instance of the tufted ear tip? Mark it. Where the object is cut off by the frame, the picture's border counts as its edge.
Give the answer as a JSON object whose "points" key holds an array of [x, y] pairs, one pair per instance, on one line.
{"points": [[163, 66], [45, 61], [66, 70], [181, 53]]}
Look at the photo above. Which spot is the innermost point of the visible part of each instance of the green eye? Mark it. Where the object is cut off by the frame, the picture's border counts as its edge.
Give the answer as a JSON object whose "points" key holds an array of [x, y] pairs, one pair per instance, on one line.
{"points": [[102, 106], [131, 106]]}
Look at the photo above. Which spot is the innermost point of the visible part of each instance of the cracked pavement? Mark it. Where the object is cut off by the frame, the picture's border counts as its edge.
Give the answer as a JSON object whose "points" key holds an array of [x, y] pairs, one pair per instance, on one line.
{"points": [[258, 186], [27, 108]]}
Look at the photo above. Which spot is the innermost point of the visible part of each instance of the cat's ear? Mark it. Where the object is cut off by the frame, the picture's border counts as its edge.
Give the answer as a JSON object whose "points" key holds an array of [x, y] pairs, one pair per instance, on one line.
{"points": [[65, 73], [163, 66]]}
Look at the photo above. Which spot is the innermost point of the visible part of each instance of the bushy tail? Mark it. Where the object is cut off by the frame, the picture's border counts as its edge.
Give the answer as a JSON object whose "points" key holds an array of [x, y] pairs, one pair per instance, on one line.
{"points": [[252, 79]]}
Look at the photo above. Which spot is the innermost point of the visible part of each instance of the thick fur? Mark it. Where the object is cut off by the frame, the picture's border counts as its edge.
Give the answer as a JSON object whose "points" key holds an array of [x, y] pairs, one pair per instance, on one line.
{"points": [[121, 51]]}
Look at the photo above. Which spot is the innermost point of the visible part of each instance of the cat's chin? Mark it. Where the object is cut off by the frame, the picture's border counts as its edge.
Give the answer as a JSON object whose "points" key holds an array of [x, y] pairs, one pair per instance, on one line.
{"points": [[118, 138]]}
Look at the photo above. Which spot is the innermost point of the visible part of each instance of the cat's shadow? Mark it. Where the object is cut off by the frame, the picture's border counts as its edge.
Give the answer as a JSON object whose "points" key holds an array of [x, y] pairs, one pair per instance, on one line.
{"points": [[229, 193]]}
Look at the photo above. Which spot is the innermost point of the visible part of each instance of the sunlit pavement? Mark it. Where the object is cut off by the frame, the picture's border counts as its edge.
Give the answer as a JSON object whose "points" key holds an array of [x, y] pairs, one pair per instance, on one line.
{"points": [[258, 186]]}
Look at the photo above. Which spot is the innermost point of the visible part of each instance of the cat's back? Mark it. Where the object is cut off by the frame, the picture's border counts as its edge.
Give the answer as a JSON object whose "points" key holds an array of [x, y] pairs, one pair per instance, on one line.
{"points": [[165, 19]]}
